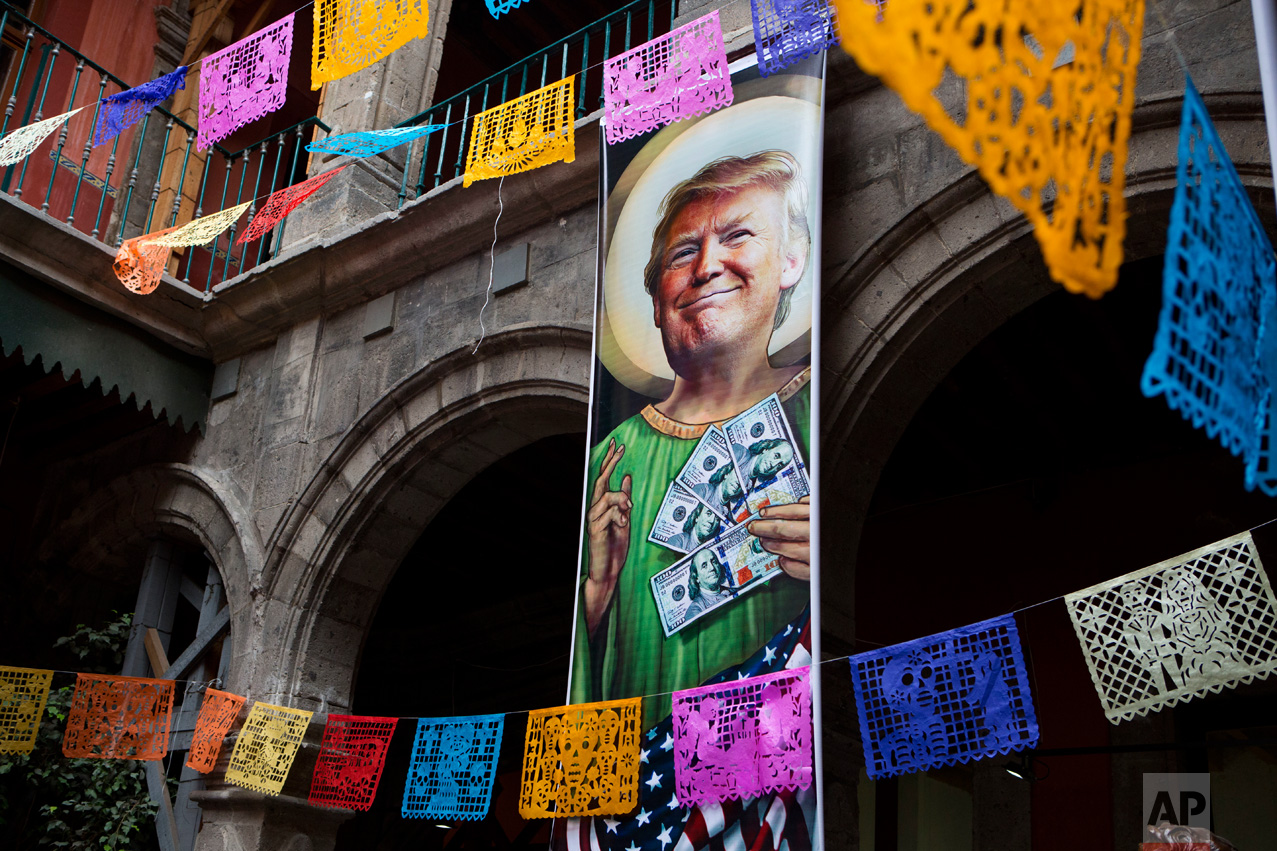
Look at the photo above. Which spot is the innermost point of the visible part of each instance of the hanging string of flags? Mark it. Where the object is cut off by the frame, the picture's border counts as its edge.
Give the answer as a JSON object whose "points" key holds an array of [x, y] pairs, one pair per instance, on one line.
{"points": [[1171, 632], [1174, 631], [1072, 71], [672, 77]]}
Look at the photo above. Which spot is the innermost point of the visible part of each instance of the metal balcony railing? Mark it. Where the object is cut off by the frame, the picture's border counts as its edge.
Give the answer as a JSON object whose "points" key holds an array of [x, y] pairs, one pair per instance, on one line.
{"points": [[439, 157], [149, 177]]}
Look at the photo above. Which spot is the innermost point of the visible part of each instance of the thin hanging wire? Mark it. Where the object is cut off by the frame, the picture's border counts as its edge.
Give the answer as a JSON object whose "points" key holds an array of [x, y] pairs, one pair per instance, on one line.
{"points": [[492, 256]]}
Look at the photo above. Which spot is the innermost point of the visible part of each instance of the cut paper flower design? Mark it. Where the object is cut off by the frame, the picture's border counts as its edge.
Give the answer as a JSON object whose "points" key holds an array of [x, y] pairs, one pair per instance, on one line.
{"points": [[1178, 629], [283, 202], [217, 714], [352, 34], [948, 698], [140, 264], [1217, 292], [497, 8], [679, 75], [370, 143], [19, 144], [118, 718], [243, 82], [523, 134], [581, 760], [453, 763], [351, 760], [203, 230], [742, 738], [266, 747], [1049, 136], [23, 693], [121, 111], [786, 31]]}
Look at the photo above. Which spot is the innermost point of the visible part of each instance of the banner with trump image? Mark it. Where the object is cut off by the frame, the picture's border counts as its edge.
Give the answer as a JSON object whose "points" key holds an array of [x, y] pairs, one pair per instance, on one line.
{"points": [[699, 534]]}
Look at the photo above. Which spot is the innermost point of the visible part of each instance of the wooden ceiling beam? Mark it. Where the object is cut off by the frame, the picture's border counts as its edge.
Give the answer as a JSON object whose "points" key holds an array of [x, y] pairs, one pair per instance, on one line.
{"points": [[197, 43], [255, 22]]}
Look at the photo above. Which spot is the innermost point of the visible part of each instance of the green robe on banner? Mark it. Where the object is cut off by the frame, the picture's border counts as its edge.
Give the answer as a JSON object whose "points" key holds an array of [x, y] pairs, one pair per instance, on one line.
{"points": [[630, 655]]}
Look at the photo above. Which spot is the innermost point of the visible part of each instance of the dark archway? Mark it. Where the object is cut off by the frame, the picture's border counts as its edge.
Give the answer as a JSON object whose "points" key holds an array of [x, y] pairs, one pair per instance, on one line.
{"points": [[477, 619], [1036, 468]]}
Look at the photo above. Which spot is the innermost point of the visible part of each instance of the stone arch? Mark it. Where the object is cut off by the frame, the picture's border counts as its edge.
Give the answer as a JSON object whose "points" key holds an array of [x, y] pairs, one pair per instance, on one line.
{"points": [[412, 451], [938, 281], [178, 500]]}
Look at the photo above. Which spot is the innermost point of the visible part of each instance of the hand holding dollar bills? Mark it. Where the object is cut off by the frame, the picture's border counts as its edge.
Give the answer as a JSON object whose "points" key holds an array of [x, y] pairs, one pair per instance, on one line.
{"points": [[607, 525], [785, 530], [775, 478]]}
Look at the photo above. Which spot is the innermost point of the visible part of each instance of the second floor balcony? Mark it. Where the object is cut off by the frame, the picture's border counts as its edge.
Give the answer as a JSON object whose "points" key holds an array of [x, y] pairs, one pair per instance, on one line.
{"points": [[154, 175]]}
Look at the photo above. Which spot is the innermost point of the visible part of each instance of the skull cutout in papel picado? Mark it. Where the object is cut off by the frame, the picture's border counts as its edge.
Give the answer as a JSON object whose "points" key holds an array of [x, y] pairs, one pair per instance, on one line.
{"points": [[910, 686]]}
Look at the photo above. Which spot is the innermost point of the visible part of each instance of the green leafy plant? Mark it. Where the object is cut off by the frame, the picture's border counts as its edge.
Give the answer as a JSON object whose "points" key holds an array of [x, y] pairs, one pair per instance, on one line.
{"points": [[49, 801]]}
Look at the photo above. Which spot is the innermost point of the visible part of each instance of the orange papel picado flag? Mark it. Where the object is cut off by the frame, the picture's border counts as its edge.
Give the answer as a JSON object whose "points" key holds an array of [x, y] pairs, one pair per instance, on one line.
{"points": [[581, 760], [140, 265], [217, 714], [522, 134], [353, 34], [118, 718], [1043, 109]]}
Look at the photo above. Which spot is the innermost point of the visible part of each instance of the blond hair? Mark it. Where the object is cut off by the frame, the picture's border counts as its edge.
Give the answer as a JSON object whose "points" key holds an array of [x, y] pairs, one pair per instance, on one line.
{"points": [[777, 170]]}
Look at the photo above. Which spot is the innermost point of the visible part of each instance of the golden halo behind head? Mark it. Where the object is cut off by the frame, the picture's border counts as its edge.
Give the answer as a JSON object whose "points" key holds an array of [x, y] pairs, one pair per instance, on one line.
{"points": [[629, 343]]}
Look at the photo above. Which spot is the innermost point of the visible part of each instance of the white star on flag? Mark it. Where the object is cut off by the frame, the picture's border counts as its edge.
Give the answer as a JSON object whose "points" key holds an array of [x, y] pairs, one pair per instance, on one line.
{"points": [[643, 816], [653, 781], [643, 756], [611, 824], [665, 837], [632, 847], [668, 744], [770, 657], [674, 803]]}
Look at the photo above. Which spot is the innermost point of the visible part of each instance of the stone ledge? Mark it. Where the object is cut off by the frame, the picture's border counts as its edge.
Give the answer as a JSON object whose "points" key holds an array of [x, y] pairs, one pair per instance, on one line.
{"points": [[424, 236], [81, 266]]}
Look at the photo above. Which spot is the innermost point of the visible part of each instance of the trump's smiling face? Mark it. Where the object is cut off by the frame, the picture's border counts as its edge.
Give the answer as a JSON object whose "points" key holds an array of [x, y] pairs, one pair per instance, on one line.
{"points": [[722, 272]]}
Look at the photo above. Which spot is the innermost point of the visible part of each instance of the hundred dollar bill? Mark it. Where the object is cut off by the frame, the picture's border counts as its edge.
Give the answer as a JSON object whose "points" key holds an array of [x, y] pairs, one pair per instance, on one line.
{"points": [[710, 475], [767, 457], [683, 522], [711, 577]]}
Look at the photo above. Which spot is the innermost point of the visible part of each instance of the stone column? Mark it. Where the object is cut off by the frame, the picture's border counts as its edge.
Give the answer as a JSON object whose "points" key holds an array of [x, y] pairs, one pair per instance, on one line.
{"points": [[237, 819], [376, 98]]}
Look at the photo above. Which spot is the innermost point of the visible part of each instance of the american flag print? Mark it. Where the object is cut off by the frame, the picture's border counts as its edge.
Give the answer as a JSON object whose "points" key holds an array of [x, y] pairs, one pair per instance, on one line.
{"points": [[770, 822]]}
